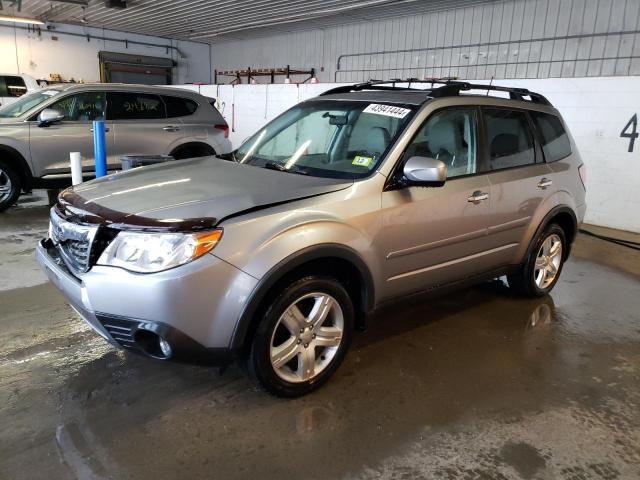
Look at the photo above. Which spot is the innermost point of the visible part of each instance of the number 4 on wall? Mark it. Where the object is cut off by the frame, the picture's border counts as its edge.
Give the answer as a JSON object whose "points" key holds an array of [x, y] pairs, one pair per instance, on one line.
{"points": [[633, 134]]}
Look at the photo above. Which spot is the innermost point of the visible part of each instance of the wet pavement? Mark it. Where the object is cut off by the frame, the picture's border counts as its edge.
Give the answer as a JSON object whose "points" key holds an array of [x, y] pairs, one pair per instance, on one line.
{"points": [[474, 385]]}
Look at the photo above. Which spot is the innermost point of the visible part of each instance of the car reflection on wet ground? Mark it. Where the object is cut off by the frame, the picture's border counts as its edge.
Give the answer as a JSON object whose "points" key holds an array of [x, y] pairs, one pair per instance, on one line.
{"points": [[475, 384]]}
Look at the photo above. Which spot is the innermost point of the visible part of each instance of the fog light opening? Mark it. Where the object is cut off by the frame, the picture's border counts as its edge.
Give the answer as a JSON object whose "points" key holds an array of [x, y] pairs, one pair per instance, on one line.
{"points": [[153, 344]]}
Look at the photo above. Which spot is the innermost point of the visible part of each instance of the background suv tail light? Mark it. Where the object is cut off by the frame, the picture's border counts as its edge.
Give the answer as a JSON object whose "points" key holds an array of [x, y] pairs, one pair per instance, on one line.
{"points": [[582, 170], [224, 127]]}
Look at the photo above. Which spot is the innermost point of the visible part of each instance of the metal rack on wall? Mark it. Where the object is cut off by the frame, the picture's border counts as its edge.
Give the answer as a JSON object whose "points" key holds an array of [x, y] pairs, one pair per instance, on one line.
{"points": [[250, 73]]}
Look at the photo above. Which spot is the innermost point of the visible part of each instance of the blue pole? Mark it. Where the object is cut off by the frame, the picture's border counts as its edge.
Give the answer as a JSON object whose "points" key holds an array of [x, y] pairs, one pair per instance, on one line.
{"points": [[99, 148]]}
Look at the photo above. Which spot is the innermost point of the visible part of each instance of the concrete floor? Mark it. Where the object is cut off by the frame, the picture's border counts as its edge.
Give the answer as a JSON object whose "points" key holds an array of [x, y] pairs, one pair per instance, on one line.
{"points": [[474, 385]]}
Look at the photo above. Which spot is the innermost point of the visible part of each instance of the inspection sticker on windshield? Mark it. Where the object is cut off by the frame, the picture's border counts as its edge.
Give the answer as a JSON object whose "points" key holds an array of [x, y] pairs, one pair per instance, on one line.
{"points": [[361, 161], [386, 110]]}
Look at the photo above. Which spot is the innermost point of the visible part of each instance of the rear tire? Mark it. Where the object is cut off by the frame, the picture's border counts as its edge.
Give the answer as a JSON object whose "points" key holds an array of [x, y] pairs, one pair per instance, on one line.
{"points": [[10, 186], [302, 338], [542, 269]]}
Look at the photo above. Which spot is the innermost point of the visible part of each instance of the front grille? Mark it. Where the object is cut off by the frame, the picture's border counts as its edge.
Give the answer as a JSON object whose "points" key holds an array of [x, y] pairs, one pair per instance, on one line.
{"points": [[73, 240]]}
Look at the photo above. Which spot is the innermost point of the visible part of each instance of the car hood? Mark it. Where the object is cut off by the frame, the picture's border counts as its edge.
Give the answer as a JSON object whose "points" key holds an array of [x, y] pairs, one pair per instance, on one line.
{"points": [[187, 194]]}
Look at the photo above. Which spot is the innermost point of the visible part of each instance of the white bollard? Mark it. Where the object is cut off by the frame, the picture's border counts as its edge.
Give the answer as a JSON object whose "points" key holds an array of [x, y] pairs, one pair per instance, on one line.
{"points": [[76, 168]]}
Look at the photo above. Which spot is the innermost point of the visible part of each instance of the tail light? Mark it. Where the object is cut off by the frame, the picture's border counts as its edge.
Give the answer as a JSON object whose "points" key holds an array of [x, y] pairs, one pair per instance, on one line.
{"points": [[582, 170], [224, 127]]}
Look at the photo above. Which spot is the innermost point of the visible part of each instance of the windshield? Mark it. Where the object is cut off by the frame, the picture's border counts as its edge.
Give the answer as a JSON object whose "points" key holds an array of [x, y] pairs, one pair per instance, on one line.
{"points": [[327, 138], [26, 103]]}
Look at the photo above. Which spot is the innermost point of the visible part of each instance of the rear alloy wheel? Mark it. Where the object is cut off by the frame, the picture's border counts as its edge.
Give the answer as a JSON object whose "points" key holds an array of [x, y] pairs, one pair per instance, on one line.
{"points": [[542, 269], [303, 337], [10, 186]]}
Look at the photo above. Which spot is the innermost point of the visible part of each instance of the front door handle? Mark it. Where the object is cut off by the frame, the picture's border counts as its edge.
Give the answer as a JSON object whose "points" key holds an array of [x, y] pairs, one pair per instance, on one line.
{"points": [[544, 183], [106, 129], [171, 129], [477, 197]]}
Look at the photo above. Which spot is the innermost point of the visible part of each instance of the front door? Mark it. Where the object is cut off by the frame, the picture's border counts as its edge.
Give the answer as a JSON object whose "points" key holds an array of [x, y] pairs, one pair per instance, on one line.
{"points": [[50, 146], [435, 235]]}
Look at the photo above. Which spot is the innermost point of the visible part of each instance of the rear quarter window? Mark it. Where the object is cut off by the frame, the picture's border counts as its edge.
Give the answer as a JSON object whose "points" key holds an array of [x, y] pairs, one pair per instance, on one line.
{"points": [[554, 138], [179, 107]]}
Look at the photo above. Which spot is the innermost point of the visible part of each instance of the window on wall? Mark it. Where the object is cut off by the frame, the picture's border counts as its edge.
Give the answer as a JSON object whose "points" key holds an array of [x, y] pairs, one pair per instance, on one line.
{"points": [[509, 138], [134, 106], [555, 141], [448, 136], [81, 107]]}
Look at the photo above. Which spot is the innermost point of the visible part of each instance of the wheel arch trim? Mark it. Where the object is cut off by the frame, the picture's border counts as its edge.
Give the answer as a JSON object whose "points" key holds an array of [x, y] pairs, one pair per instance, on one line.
{"points": [[289, 264], [546, 220]]}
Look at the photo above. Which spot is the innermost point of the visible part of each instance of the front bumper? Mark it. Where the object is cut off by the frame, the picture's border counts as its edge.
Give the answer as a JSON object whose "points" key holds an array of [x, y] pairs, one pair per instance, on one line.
{"points": [[194, 306]]}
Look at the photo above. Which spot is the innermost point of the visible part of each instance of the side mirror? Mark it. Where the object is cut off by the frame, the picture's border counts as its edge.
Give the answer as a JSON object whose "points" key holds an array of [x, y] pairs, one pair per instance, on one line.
{"points": [[49, 116], [425, 172]]}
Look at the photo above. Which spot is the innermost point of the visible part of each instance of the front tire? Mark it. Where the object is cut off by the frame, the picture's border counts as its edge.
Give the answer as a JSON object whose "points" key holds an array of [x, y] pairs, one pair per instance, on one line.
{"points": [[542, 269], [303, 337], [10, 186]]}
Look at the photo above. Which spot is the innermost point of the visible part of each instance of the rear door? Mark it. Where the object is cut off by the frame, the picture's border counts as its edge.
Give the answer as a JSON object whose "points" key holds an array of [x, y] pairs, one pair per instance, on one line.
{"points": [[50, 146], [434, 235], [519, 179], [140, 125]]}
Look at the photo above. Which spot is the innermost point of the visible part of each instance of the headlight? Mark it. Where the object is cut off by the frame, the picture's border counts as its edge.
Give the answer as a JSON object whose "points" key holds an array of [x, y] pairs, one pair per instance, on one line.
{"points": [[154, 252]]}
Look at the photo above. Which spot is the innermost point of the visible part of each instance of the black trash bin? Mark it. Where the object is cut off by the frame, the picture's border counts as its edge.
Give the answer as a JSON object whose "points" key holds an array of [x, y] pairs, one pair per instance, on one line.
{"points": [[134, 161]]}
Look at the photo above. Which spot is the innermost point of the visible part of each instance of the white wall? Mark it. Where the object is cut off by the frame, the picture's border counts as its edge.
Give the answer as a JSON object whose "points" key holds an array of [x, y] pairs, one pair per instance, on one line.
{"points": [[75, 57], [595, 109]]}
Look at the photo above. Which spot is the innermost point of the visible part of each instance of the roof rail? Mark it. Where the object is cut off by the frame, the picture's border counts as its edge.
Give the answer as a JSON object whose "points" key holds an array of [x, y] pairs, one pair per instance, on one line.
{"points": [[449, 88]]}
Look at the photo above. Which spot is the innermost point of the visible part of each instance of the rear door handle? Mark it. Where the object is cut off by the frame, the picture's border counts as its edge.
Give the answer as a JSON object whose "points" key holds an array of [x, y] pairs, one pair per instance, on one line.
{"points": [[544, 183], [477, 197], [106, 129], [171, 129]]}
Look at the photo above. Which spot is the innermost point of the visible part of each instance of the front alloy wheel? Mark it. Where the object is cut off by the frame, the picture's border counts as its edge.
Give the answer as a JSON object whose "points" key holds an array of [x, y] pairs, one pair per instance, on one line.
{"points": [[307, 337], [303, 336]]}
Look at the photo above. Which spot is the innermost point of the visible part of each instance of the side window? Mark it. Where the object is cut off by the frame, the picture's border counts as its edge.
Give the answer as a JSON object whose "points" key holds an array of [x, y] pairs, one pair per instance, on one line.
{"points": [[509, 139], [15, 86], [450, 136], [179, 107], [81, 107], [134, 106], [555, 142]]}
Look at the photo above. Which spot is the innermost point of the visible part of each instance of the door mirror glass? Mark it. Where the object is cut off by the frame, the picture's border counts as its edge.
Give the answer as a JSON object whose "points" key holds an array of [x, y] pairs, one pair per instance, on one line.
{"points": [[49, 116], [425, 172]]}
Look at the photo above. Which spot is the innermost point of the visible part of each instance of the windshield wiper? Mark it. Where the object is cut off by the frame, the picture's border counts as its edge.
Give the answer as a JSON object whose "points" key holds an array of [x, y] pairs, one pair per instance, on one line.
{"points": [[271, 165]]}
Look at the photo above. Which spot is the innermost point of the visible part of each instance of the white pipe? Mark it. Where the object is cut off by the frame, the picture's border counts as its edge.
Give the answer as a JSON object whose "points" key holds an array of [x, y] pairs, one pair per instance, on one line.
{"points": [[76, 168]]}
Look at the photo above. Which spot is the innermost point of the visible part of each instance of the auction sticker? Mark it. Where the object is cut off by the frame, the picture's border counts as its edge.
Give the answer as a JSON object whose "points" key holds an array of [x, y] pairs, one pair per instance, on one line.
{"points": [[386, 110]]}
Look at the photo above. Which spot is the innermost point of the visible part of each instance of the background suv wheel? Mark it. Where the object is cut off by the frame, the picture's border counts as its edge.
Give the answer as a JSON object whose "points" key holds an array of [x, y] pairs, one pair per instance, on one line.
{"points": [[543, 266], [10, 186], [303, 336]]}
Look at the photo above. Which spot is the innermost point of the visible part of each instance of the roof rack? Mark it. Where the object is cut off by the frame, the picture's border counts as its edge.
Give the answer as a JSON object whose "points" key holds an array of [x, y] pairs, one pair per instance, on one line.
{"points": [[448, 88]]}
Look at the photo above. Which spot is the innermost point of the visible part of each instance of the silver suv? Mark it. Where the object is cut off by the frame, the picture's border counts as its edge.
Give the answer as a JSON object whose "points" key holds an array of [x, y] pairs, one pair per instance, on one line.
{"points": [[274, 254], [38, 131]]}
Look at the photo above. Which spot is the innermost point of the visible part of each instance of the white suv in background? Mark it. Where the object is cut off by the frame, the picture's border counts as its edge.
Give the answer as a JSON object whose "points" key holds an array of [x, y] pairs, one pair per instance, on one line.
{"points": [[13, 86], [38, 131]]}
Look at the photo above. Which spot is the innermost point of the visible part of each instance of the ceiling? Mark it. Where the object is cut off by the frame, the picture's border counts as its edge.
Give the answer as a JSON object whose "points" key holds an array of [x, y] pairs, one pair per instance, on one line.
{"points": [[221, 20]]}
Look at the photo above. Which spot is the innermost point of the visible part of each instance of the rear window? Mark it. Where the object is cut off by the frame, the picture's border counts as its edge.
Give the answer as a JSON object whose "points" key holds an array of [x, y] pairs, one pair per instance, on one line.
{"points": [[11, 86], [179, 107], [555, 141], [134, 106]]}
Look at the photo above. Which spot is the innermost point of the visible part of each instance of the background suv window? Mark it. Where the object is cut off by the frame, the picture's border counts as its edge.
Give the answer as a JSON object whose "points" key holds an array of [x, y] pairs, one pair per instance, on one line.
{"points": [[448, 136], [81, 107], [11, 86], [509, 138], [555, 142], [179, 107], [135, 106]]}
